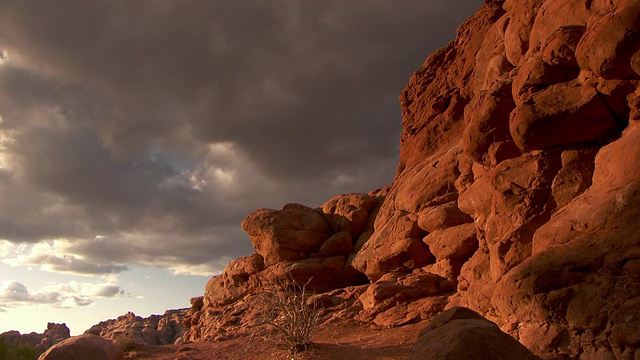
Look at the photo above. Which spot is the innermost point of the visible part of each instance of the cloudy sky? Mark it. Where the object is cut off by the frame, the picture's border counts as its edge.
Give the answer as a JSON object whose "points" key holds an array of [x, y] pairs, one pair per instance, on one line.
{"points": [[136, 135]]}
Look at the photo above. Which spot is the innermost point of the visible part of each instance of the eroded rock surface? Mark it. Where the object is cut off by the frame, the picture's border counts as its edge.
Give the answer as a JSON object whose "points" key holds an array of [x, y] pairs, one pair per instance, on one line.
{"points": [[132, 330], [83, 347], [460, 333]]}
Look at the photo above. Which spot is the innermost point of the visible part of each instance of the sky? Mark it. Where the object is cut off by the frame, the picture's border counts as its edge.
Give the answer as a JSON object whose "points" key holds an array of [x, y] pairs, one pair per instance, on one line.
{"points": [[136, 135]]}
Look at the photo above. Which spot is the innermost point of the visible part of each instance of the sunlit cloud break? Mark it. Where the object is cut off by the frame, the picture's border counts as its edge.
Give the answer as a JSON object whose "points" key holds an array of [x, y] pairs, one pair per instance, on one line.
{"points": [[51, 256]]}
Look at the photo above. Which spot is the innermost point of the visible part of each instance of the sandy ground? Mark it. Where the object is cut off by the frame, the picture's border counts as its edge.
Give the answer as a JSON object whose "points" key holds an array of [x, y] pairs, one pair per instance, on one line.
{"points": [[343, 341]]}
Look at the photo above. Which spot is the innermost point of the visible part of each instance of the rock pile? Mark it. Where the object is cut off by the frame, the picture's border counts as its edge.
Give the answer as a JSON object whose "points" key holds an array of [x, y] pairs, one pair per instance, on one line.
{"points": [[51, 336], [517, 193], [130, 329]]}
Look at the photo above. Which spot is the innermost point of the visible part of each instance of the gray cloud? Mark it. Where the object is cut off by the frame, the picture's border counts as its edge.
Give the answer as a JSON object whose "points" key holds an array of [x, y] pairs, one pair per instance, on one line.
{"points": [[109, 291], [143, 132]]}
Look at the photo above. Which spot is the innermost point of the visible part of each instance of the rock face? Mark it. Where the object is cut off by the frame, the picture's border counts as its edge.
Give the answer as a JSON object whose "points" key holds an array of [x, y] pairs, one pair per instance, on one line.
{"points": [[83, 347], [517, 192], [52, 335], [460, 333], [130, 329]]}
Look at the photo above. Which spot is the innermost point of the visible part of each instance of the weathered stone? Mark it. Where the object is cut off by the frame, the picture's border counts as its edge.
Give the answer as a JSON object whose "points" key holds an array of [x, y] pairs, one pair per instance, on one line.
{"points": [[560, 48], [338, 244], [487, 117], [321, 274], [536, 75], [521, 17], [574, 177], [458, 242], [441, 217], [611, 41], [459, 333], [551, 116], [83, 347], [288, 234], [396, 288], [349, 212], [557, 16], [397, 246]]}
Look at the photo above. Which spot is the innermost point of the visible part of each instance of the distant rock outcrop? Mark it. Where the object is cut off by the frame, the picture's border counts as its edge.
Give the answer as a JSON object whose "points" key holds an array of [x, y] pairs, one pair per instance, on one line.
{"points": [[52, 335], [130, 329], [517, 193]]}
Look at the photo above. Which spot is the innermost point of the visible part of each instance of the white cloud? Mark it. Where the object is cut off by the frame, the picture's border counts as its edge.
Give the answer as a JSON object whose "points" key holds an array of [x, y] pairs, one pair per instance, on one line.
{"points": [[61, 295]]}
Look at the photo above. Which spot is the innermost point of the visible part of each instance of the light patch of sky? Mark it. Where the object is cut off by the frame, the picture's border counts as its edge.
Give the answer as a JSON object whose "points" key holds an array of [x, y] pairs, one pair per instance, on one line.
{"points": [[200, 175], [6, 140], [147, 291]]}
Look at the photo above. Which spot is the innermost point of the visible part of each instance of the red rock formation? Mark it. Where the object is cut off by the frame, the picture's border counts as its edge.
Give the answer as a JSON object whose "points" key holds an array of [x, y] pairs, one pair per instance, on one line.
{"points": [[52, 335], [517, 192], [130, 329]]}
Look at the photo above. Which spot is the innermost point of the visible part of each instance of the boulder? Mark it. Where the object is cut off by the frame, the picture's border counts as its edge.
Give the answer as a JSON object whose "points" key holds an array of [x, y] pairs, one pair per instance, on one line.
{"points": [[551, 116], [441, 217], [460, 333], [83, 347], [560, 47], [611, 41], [457, 242], [288, 234]]}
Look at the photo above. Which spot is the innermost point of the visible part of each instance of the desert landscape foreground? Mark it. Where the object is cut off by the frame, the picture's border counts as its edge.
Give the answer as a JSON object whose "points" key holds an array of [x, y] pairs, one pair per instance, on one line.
{"points": [[517, 195]]}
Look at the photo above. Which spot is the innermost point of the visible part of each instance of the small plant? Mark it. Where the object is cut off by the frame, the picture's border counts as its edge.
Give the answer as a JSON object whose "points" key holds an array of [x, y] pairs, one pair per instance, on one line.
{"points": [[288, 315], [127, 345]]}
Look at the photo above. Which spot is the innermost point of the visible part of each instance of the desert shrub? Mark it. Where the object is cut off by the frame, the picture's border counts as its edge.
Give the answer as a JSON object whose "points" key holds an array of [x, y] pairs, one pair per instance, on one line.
{"points": [[288, 315], [126, 344], [17, 352]]}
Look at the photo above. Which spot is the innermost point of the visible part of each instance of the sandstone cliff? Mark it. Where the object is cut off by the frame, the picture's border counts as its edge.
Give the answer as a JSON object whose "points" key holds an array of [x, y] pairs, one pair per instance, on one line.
{"points": [[517, 193]]}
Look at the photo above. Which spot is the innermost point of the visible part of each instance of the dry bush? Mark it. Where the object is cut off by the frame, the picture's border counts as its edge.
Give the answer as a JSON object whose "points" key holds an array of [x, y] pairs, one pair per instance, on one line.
{"points": [[288, 315], [126, 344]]}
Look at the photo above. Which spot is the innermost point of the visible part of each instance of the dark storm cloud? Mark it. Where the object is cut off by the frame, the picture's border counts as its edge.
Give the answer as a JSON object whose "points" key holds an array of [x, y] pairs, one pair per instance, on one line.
{"points": [[148, 130]]}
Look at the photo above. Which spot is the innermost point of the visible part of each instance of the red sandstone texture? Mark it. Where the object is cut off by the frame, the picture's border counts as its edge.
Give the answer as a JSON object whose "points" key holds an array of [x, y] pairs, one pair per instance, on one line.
{"points": [[517, 194]]}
